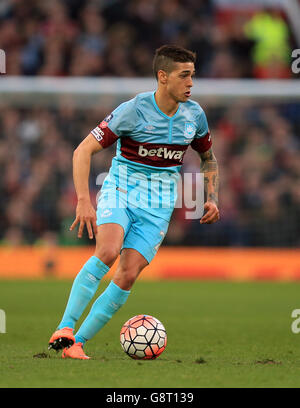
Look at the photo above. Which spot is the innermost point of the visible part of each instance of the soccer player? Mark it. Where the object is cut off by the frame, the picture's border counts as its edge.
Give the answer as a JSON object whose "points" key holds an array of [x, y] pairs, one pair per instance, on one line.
{"points": [[153, 131]]}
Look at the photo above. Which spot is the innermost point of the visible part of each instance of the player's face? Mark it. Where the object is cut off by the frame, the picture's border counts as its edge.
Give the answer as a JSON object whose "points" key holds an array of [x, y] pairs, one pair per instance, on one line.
{"points": [[180, 81]]}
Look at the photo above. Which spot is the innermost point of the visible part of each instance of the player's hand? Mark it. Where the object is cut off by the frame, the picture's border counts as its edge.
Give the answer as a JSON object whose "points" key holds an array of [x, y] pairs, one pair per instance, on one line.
{"points": [[211, 213], [85, 215]]}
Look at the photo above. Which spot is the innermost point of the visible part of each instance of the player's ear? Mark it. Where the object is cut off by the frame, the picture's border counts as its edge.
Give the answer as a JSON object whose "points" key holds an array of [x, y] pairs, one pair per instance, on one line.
{"points": [[162, 76]]}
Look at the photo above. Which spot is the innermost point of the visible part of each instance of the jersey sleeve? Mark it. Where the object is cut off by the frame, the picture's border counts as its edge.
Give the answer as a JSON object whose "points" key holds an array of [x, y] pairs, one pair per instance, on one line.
{"points": [[118, 124], [202, 140]]}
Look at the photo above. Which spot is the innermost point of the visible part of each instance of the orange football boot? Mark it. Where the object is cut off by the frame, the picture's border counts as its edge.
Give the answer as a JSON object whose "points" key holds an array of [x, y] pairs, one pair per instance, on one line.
{"points": [[75, 351], [61, 338]]}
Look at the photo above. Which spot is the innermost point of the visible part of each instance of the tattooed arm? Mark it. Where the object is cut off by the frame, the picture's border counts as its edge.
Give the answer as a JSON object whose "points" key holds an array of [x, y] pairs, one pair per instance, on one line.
{"points": [[209, 167]]}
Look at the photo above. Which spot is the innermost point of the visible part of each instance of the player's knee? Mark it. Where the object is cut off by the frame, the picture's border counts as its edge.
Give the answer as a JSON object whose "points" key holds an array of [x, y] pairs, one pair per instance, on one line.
{"points": [[125, 279], [108, 255], [128, 275], [129, 279]]}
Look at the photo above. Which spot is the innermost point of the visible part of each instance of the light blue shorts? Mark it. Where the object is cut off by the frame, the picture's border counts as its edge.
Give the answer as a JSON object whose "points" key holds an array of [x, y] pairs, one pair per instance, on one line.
{"points": [[143, 231]]}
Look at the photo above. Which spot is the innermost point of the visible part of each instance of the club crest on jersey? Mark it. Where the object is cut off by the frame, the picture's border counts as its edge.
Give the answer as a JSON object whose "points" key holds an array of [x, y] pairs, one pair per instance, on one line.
{"points": [[189, 130]]}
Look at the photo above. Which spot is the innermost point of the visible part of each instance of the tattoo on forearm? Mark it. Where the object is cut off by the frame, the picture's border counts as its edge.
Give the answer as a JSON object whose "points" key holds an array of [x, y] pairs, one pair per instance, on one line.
{"points": [[209, 167]]}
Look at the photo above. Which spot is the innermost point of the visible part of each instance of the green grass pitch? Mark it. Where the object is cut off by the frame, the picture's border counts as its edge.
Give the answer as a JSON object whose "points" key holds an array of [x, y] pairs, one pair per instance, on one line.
{"points": [[220, 334]]}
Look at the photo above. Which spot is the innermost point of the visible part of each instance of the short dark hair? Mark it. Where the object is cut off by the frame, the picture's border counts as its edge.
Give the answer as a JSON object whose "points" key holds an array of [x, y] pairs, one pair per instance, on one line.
{"points": [[166, 55]]}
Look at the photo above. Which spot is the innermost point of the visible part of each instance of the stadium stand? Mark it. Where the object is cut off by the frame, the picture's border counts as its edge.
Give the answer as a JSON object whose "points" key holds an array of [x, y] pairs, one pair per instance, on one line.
{"points": [[259, 170], [117, 38], [257, 144]]}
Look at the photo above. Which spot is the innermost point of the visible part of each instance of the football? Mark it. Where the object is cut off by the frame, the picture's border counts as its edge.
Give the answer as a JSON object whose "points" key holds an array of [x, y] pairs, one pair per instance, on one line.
{"points": [[143, 337]]}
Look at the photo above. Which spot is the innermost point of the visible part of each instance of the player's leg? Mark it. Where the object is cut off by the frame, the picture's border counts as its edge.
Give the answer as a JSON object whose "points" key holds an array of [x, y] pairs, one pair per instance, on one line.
{"points": [[140, 245], [109, 239], [110, 301], [130, 266]]}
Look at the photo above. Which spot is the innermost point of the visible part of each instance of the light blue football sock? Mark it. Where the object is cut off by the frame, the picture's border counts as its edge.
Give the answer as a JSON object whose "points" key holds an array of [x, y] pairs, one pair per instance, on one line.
{"points": [[84, 287], [102, 311]]}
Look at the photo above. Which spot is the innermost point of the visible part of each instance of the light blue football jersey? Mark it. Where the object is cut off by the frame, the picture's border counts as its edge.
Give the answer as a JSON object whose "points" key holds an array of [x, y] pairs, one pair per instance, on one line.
{"points": [[150, 150]]}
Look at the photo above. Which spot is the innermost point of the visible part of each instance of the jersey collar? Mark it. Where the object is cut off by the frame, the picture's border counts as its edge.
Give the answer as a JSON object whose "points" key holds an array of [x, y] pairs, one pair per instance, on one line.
{"points": [[160, 111]]}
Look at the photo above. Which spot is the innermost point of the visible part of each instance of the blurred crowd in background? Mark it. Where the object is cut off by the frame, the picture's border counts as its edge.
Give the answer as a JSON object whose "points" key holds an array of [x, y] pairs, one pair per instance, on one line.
{"points": [[257, 144], [258, 150], [119, 37]]}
